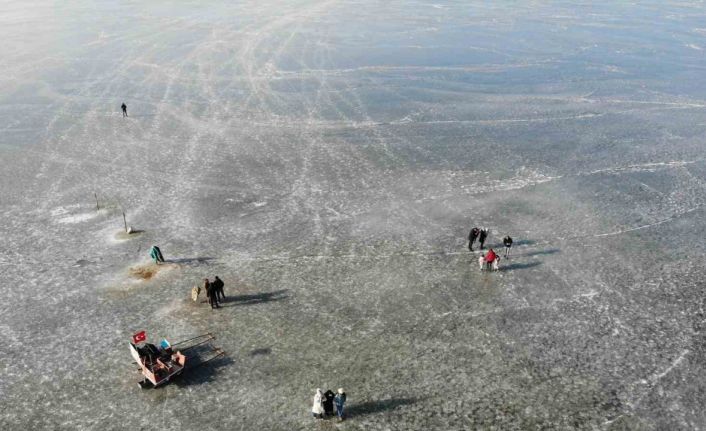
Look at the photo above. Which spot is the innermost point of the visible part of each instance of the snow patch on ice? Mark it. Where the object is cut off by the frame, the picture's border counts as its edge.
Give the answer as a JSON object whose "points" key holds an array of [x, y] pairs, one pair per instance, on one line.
{"points": [[68, 215], [77, 218], [63, 210]]}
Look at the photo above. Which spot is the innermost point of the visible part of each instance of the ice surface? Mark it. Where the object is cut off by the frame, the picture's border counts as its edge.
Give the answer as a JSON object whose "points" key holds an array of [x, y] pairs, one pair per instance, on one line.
{"points": [[327, 159]]}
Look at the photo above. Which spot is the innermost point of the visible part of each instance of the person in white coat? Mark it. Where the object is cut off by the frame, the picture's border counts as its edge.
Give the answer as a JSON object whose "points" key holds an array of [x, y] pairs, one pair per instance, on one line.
{"points": [[496, 262], [481, 261], [317, 409]]}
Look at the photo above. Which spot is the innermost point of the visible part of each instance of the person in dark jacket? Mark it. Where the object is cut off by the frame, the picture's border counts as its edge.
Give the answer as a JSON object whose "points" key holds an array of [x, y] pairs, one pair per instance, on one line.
{"points": [[507, 241], [210, 293], [472, 237], [482, 237], [218, 287], [339, 400], [328, 402], [124, 108]]}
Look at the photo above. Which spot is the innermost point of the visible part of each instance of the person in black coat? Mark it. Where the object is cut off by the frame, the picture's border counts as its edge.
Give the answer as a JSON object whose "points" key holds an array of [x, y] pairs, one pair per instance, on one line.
{"points": [[218, 287], [472, 237], [210, 293], [328, 402], [507, 241], [482, 237], [124, 108]]}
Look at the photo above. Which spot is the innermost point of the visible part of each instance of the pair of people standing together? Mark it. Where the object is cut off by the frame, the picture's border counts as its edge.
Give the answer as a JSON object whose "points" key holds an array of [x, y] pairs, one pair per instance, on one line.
{"points": [[214, 291], [480, 234], [324, 402]]}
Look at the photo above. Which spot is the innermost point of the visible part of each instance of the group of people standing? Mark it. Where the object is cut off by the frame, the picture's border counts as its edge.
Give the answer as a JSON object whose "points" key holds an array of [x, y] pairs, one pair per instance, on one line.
{"points": [[490, 260], [214, 292], [324, 402]]}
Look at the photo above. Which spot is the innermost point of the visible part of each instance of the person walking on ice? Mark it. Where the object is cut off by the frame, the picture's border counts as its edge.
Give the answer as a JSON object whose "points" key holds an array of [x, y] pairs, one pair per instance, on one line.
{"points": [[124, 108], [317, 409], [472, 237], [507, 241], [483, 236], [340, 400]]}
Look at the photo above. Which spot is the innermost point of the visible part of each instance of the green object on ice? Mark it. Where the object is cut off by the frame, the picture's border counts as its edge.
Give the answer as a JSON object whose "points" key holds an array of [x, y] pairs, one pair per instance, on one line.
{"points": [[156, 254]]}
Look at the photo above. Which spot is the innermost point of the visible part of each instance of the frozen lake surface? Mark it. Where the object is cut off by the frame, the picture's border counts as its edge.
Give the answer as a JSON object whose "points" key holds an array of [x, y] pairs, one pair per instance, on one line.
{"points": [[327, 159]]}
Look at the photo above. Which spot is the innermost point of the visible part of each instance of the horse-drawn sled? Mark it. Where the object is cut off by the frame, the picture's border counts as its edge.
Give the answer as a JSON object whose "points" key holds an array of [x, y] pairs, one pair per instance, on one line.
{"points": [[160, 364]]}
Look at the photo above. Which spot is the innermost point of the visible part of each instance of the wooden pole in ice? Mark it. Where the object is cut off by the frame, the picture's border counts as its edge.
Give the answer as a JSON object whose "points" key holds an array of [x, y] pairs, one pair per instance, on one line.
{"points": [[96, 196], [125, 221]]}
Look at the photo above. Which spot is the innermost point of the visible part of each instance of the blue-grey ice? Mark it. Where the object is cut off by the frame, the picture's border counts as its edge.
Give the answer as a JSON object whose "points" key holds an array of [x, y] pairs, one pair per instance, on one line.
{"points": [[327, 160]]}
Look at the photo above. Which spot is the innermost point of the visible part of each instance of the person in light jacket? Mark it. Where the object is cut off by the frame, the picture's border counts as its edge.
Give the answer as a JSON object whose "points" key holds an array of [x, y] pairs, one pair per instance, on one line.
{"points": [[339, 400], [317, 409]]}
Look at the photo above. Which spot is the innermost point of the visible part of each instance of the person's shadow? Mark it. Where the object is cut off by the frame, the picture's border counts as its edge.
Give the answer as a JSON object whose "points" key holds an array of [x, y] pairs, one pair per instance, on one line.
{"points": [[513, 266], [538, 252], [257, 298], [371, 407]]}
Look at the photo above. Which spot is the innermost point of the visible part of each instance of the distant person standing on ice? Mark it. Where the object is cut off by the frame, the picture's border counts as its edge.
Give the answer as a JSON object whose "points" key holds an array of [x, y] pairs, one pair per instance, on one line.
{"points": [[481, 261], [317, 408], [210, 293], [328, 402], [218, 288], [483, 236], [507, 241], [472, 237], [124, 108], [340, 401]]}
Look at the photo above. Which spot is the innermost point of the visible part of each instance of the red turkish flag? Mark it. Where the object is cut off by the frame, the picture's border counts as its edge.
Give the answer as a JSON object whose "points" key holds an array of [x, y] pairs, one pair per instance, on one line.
{"points": [[140, 336]]}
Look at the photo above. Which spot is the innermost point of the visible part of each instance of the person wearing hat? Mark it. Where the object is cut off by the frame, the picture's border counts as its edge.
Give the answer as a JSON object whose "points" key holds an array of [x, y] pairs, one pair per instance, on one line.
{"points": [[339, 400], [317, 409]]}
